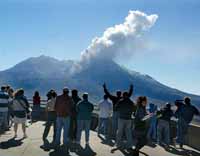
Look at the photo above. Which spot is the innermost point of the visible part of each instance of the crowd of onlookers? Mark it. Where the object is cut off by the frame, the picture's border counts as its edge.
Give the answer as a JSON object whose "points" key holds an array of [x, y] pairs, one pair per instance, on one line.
{"points": [[72, 114]]}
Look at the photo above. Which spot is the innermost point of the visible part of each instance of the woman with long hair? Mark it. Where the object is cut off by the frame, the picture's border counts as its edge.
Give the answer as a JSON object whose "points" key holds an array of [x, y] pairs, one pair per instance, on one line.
{"points": [[51, 116], [140, 124], [36, 105]]}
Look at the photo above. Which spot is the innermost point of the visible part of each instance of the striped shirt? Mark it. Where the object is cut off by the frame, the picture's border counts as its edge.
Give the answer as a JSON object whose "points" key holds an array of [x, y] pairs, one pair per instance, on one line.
{"points": [[4, 102]]}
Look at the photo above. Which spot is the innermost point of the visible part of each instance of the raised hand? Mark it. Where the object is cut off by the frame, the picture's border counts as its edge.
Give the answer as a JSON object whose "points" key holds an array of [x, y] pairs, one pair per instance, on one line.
{"points": [[104, 85], [131, 85]]}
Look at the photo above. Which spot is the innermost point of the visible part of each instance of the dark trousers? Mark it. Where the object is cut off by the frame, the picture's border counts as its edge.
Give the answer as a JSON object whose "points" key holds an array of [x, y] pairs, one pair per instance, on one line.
{"points": [[73, 128], [141, 139], [51, 121]]}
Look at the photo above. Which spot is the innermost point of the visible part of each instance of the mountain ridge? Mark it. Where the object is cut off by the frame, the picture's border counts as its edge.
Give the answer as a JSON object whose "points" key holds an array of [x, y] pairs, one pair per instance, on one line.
{"points": [[43, 73]]}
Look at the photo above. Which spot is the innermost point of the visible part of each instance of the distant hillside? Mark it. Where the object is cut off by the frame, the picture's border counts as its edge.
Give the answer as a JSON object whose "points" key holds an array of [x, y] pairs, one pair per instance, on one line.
{"points": [[43, 73]]}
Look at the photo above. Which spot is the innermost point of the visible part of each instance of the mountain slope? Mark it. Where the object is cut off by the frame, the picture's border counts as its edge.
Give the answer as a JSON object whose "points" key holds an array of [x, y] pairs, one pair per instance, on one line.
{"points": [[43, 73]]}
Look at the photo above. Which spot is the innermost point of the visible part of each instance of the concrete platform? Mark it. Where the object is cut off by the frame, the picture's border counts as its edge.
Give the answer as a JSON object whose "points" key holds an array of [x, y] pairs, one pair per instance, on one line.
{"points": [[31, 146]]}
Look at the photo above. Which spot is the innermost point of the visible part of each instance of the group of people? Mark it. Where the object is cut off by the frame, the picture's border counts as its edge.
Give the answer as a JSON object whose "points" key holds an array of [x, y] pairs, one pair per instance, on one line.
{"points": [[14, 108], [73, 114], [70, 113]]}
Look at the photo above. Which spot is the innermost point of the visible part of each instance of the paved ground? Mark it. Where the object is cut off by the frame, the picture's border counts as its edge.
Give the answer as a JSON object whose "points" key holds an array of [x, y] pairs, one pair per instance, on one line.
{"points": [[31, 146]]}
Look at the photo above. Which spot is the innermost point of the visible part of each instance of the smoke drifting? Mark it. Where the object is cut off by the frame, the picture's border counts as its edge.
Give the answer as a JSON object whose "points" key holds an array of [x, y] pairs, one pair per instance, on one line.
{"points": [[122, 39]]}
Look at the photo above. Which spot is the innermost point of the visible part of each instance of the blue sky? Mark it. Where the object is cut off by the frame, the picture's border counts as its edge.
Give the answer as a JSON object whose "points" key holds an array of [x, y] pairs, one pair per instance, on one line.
{"points": [[63, 29]]}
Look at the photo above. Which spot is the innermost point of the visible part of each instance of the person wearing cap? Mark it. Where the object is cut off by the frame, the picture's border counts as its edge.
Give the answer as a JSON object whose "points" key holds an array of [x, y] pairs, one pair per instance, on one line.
{"points": [[84, 114], [164, 118], [105, 110], [63, 108]]}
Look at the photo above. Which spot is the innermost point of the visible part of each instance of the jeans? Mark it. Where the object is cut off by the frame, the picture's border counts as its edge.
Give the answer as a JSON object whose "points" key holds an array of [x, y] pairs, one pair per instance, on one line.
{"points": [[124, 125], [73, 128], [4, 120], [182, 128], [36, 111], [153, 128], [51, 121], [62, 123], [115, 122], [103, 126], [83, 125], [164, 128]]}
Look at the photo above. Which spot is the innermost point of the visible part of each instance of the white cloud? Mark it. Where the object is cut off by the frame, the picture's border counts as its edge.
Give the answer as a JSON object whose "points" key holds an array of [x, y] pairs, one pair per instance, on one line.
{"points": [[120, 40]]}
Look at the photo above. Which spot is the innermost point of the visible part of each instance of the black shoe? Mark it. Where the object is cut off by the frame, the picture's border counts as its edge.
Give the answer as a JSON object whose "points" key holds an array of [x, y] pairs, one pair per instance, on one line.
{"points": [[130, 150], [135, 153]]}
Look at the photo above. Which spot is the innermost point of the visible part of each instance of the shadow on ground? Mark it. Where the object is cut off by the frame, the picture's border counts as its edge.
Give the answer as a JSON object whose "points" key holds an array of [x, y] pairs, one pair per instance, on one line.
{"points": [[87, 151], [181, 152], [11, 143]]}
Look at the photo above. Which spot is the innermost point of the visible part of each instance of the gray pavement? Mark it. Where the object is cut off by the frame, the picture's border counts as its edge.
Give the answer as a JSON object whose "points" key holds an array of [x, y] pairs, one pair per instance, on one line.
{"points": [[32, 146]]}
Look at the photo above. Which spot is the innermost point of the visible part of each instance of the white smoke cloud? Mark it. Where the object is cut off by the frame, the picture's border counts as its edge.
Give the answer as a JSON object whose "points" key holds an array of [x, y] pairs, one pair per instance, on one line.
{"points": [[122, 39]]}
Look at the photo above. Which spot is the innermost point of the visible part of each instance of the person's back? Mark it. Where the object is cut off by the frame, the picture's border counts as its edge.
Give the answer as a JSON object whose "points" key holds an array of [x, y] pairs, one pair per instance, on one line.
{"points": [[76, 99], [4, 104], [36, 99], [164, 125], [166, 114], [4, 101], [63, 105], [105, 108], [63, 108], [84, 110], [125, 107], [185, 114], [188, 113]]}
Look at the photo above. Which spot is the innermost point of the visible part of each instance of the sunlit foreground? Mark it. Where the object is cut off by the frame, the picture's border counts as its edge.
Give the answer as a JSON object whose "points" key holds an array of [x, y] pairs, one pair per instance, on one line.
{"points": [[32, 146]]}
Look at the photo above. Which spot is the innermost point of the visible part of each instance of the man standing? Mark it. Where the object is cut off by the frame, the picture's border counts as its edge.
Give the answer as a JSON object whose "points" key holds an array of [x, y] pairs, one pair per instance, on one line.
{"points": [[63, 107], [84, 114], [73, 121], [164, 124], [125, 107], [185, 114], [115, 99], [4, 103], [105, 109]]}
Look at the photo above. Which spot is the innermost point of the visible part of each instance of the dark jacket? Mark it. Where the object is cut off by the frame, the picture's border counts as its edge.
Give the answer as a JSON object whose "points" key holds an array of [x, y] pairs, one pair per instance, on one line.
{"points": [[166, 114], [63, 106], [187, 112], [125, 107], [84, 110], [116, 99], [76, 100], [139, 115]]}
